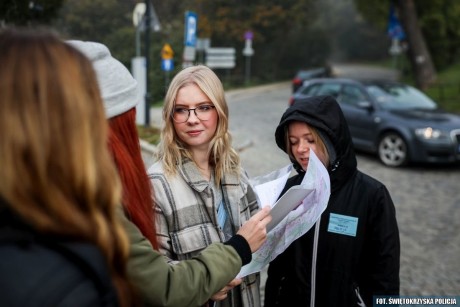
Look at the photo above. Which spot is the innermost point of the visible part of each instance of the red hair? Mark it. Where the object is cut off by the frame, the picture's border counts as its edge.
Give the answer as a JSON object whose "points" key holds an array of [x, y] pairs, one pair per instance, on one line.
{"points": [[137, 190]]}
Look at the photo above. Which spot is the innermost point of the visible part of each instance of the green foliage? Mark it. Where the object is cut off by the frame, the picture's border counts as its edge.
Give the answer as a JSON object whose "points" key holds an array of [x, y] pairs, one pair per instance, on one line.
{"points": [[439, 21], [288, 34], [149, 134], [446, 91], [26, 12]]}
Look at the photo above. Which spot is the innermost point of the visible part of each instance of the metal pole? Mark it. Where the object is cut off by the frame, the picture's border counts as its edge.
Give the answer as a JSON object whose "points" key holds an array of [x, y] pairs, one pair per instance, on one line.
{"points": [[248, 69], [148, 21], [138, 41]]}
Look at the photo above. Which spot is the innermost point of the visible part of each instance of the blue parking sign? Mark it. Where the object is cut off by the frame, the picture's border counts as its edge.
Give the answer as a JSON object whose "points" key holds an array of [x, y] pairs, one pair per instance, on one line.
{"points": [[191, 22], [167, 65]]}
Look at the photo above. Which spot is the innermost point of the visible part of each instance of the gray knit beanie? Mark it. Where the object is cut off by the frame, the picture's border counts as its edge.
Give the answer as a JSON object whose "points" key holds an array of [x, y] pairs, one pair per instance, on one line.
{"points": [[118, 87]]}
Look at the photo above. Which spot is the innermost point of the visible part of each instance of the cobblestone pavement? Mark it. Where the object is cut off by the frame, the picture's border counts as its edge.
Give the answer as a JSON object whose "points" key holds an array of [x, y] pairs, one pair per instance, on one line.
{"points": [[427, 198]]}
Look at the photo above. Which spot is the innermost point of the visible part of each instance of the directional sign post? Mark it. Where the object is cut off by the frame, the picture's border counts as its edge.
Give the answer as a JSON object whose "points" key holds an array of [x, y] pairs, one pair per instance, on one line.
{"points": [[145, 19], [166, 52], [191, 22], [220, 57], [167, 63], [397, 34], [248, 52]]}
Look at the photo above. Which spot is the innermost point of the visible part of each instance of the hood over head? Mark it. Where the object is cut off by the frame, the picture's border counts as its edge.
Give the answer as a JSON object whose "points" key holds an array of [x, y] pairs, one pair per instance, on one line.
{"points": [[324, 114]]}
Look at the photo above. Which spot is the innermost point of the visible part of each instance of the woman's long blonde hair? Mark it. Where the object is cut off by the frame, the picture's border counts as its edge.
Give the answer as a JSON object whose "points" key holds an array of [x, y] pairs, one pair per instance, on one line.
{"points": [[172, 151], [56, 171]]}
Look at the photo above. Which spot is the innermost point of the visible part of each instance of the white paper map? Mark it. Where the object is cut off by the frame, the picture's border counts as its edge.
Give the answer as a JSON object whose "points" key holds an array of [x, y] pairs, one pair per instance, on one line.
{"points": [[293, 214]]}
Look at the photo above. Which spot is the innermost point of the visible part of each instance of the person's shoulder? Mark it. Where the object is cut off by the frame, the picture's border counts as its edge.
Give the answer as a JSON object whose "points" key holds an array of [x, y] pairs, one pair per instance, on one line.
{"points": [[368, 179], [243, 174], [156, 169], [57, 275], [368, 182]]}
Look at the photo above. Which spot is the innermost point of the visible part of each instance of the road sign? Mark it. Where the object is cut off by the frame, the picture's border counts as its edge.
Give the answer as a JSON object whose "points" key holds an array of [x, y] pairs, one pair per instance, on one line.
{"points": [[220, 57], [138, 13], [139, 17], [248, 35], [248, 51], [203, 44], [167, 65], [166, 52], [189, 54], [394, 27], [191, 21]]}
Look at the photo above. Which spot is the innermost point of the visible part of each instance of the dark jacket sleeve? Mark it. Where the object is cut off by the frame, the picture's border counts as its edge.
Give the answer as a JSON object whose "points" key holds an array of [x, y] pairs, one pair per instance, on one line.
{"points": [[385, 245], [187, 283]]}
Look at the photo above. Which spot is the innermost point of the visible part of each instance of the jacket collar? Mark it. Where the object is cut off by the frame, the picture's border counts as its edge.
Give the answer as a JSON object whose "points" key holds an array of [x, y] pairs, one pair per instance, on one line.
{"points": [[189, 171]]}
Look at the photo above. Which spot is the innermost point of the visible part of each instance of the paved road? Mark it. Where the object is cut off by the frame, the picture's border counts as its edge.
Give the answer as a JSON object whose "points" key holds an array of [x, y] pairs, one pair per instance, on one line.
{"points": [[427, 198]]}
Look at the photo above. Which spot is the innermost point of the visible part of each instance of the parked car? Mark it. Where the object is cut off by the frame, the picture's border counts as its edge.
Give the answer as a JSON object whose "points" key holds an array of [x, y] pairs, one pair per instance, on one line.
{"points": [[306, 74], [398, 122]]}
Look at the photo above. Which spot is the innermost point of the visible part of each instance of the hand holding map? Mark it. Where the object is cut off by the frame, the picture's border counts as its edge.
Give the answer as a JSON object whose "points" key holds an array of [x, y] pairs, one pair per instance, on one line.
{"points": [[293, 214]]}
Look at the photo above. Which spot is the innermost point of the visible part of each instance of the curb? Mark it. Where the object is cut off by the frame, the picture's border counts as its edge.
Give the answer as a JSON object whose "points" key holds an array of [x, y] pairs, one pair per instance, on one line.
{"points": [[147, 147]]}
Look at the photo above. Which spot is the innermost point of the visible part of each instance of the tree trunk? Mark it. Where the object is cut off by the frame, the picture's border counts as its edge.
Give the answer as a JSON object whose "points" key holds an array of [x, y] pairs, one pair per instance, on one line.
{"points": [[419, 56]]}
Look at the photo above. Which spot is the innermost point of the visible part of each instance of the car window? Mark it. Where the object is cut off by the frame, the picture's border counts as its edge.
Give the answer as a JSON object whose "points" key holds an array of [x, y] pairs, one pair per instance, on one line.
{"points": [[310, 90], [352, 95], [332, 89], [400, 96]]}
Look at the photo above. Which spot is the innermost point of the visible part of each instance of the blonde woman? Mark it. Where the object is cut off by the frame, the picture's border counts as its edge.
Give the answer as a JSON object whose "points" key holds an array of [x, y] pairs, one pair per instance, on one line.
{"points": [[202, 194], [61, 243]]}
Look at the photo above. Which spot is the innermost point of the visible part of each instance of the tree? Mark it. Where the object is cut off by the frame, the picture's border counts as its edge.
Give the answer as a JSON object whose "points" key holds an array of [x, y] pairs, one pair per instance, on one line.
{"points": [[429, 26], [419, 55]]}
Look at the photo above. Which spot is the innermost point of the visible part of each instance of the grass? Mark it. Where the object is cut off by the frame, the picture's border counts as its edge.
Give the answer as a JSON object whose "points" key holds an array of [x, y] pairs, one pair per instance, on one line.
{"points": [[446, 90], [149, 134]]}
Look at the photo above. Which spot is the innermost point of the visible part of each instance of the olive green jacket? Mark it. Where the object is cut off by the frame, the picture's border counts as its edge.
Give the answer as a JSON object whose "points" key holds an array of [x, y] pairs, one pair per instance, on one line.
{"points": [[188, 283]]}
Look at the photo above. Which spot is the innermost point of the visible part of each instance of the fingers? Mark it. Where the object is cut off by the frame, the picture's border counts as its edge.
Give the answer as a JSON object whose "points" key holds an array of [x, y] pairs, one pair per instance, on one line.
{"points": [[263, 216], [263, 213], [219, 296], [254, 230], [223, 293], [234, 283]]}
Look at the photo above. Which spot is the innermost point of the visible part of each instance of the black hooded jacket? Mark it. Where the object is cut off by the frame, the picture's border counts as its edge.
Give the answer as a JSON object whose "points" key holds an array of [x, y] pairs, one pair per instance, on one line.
{"points": [[357, 249]]}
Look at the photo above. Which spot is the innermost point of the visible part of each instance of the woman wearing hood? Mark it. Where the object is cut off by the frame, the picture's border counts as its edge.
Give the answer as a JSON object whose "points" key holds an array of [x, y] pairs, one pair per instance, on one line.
{"points": [[353, 251]]}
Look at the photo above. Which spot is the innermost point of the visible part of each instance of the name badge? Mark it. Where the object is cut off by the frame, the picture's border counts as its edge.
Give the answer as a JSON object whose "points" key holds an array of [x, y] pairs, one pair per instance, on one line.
{"points": [[343, 224]]}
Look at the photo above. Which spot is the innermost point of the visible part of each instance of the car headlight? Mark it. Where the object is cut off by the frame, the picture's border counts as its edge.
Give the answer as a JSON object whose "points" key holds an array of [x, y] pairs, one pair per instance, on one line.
{"points": [[429, 133]]}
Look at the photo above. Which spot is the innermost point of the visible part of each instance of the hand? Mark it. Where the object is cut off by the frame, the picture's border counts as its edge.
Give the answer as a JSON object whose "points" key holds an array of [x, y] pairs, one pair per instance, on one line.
{"points": [[222, 294], [255, 229]]}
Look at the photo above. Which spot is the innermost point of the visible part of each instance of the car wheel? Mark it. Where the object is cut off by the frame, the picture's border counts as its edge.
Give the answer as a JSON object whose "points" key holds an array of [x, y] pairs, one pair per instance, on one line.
{"points": [[392, 150]]}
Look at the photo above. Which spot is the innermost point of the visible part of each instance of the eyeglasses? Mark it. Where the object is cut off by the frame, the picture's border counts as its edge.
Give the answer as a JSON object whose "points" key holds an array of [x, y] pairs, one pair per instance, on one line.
{"points": [[203, 112]]}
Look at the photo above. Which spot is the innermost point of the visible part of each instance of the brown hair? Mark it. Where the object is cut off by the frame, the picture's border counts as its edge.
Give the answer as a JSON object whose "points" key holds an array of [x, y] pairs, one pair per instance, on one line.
{"points": [[56, 171]]}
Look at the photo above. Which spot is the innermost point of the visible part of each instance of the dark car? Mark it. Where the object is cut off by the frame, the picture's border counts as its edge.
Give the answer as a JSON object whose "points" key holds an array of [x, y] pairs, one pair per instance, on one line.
{"points": [[394, 120], [306, 74]]}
